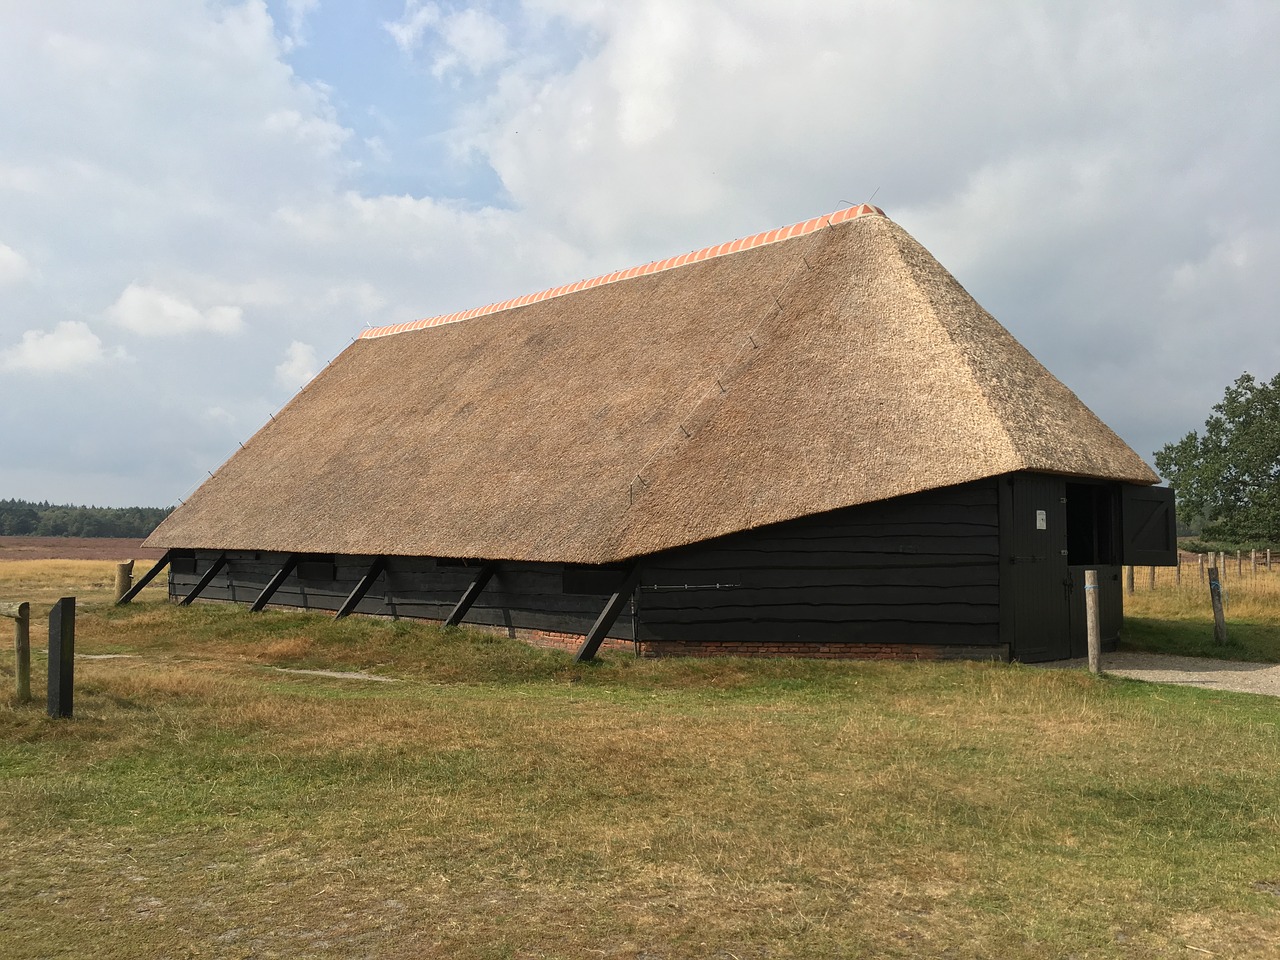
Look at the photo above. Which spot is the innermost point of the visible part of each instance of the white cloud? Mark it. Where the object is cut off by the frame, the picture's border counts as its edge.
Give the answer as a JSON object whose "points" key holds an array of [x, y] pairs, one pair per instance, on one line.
{"points": [[320, 133], [298, 366], [71, 346], [469, 39], [409, 30], [1099, 166], [154, 313], [13, 266], [474, 40], [299, 10]]}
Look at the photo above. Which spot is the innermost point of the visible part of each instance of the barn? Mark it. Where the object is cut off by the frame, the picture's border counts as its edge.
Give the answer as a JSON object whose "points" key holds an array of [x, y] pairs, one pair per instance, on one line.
{"points": [[808, 442]]}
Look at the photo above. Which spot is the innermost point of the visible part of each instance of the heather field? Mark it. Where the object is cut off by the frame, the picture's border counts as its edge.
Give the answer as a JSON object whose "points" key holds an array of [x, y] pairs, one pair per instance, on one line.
{"points": [[75, 548], [444, 793]]}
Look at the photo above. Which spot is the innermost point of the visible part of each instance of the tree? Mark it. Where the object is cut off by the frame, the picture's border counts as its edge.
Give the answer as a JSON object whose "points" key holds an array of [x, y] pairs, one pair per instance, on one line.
{"points": [[1228, 479]]}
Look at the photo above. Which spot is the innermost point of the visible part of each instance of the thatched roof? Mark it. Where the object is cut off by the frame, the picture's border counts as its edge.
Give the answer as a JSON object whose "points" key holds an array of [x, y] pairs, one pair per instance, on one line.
{"points": [[830, 364]]}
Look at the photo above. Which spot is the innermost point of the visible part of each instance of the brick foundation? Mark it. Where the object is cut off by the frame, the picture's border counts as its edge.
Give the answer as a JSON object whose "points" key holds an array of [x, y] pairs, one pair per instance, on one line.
{"points": [[738, 648], [553, 640], [822, 651], [570, 641]]}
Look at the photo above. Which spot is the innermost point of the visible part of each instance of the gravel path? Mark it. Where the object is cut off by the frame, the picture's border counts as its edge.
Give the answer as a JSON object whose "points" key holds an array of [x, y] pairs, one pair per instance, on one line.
{"points": [[1234, 675]]}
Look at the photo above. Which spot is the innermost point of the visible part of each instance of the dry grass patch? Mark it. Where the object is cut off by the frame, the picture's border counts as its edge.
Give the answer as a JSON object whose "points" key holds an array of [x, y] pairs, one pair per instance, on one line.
{"points": [[503, 802], [91, 582]]}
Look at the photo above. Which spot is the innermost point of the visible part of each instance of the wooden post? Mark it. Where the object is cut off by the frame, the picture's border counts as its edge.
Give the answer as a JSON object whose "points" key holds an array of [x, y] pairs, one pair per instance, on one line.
{"points": [[1091, 611], [1128, 580], [21, 614], [1268, 559], [1177, 571], [1215, 594], [124, 579], [1253, 562], [1153, 578], [62, 656], [146, 578], [1201, 556], [1239, 563]]}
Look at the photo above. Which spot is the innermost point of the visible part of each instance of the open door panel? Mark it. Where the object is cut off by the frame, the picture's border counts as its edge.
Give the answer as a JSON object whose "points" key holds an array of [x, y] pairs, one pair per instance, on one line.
{"points": [[1149, 529]]}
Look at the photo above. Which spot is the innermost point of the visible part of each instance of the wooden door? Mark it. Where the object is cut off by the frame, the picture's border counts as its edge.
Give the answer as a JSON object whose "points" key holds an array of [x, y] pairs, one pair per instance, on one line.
{"points": [[1035, 583]]}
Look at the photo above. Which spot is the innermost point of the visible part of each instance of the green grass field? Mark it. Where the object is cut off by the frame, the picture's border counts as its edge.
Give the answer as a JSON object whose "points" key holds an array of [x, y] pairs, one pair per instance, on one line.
{"points": [[497, 800], [1176, 616]]}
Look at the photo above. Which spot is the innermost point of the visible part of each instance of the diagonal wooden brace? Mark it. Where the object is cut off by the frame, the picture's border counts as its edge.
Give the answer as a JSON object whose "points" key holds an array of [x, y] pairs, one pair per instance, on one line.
{"points": [[270, 589], [469, 597], [609, 614], [366, 583], [145, 578], [207, 579]]}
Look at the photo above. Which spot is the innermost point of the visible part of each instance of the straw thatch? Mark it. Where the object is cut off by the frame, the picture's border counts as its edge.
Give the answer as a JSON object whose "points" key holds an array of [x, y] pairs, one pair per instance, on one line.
{"points": [[840, 367]]}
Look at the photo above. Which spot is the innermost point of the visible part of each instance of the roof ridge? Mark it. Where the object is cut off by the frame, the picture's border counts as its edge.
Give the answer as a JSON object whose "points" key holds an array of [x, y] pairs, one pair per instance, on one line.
{"points": [[777, 235]]}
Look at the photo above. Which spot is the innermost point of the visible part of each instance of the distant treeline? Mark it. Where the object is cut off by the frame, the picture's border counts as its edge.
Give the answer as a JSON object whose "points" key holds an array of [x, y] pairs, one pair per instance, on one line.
{"points": [[21, 518]]}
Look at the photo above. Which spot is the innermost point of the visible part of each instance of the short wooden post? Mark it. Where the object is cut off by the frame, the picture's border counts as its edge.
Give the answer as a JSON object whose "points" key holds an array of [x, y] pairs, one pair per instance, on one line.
{"points": [[62, 656], [1253, 562], [1201, 556], [124, 579], [1177, 570], [1268, 559], [1239, 563], [1091, 612], [1128, 580], [21, 614], [1153, 578], [1215, 595]]}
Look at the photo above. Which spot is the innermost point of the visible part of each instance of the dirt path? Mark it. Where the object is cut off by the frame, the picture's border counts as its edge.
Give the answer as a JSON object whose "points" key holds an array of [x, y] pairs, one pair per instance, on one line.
{"points": [[1234, 675]]}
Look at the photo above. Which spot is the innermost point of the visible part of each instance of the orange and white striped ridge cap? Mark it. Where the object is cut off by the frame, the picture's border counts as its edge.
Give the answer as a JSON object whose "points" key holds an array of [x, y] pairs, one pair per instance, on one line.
{"points": [[657, 266]]}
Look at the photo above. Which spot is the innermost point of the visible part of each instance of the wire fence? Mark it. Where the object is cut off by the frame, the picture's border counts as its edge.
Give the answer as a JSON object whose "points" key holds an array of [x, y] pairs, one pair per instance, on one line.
{"points": [[1244, 568]]}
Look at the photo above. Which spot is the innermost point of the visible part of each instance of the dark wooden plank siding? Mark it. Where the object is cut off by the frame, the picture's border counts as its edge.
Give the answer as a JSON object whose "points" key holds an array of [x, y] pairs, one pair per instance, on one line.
{"points": [[917, 569], [922, 569], [520, 596]]}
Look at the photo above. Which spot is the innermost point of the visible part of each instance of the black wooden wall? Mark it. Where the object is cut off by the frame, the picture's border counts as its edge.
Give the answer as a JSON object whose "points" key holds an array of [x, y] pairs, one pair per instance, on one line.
{"points": [[520, 596], [921, 569], [932, 568]]}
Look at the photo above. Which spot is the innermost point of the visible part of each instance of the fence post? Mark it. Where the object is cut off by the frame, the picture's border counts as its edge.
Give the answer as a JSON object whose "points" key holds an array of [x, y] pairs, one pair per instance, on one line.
{"points": [[1239, 563], [1091, 615], [1201, 556], [1153, 578], [1128, 580], [21, 614], [124, 578], [62, 656], [1215, 595], [1268, 559], [1177, 571], [1253, 562]]}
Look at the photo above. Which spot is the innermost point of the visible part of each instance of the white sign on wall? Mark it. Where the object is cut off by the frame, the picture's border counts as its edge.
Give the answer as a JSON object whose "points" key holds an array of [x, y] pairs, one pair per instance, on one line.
{"points": [[1042, 521]]}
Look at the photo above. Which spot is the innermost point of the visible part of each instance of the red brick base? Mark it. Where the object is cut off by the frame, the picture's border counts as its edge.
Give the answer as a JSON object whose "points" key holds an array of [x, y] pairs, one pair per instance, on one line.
{"points": [[569, 641], [821, 651], [551, 639]]}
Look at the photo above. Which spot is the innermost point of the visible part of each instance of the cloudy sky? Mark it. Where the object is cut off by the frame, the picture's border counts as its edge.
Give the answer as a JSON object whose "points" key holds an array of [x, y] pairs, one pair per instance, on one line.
{"points": [[202, 202]]}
